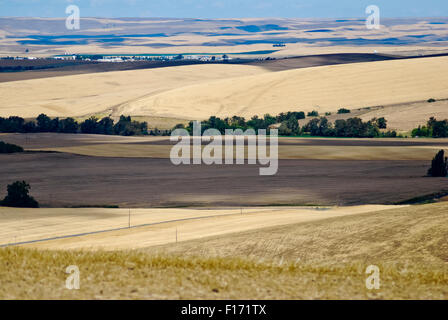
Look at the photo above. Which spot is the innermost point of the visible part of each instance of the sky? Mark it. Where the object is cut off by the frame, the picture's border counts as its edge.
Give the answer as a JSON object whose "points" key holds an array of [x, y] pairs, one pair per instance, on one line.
{"points": [[225, 8]]}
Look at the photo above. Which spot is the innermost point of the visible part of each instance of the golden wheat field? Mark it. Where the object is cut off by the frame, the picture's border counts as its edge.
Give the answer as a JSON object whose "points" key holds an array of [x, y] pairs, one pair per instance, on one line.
{"points": [[105, 93], [313, 259], [402, 117], [227, 90], [325, 89], [149, 226]]}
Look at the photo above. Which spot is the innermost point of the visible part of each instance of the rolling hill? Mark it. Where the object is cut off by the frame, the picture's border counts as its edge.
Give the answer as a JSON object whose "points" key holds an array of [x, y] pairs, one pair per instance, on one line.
{"points": [[324, 88]]}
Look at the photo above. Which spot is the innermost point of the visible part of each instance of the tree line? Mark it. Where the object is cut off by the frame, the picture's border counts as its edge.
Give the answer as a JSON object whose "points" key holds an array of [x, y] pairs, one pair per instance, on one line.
{"points": [[350, 128], [237, 122], [433, 128], [124, 127], [289, 126]]}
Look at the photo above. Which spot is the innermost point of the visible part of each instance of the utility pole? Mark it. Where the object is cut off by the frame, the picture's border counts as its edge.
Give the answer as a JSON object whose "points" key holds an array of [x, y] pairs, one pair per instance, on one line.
{"points": [[176, 234], [129, 218]]}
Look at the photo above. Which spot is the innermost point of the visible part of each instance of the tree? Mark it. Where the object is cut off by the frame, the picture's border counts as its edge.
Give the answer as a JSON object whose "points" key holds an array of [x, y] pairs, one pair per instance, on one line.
{"points": [[293, 125], [340, 127], [440, 129], [89, 125], [18, 196], [439, 165], [325, 128], [68, 125], [106, 126], [312, 127], [126, 127], [283, 130], [12, 124], [269, 120], [54, 125], [43, 123], [381, 123]]}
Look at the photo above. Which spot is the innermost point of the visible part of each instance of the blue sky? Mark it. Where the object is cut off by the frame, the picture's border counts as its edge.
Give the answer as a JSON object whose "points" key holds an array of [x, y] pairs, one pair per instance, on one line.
{"points": [[225, 8]]}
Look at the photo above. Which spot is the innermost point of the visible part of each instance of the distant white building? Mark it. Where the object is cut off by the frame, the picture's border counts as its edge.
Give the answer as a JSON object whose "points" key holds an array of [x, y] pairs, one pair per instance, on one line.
{"points": [[111, 59]]}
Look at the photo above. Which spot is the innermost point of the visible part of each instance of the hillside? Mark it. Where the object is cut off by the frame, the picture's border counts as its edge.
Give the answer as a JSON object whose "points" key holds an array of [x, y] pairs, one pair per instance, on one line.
{"points": [[198, 92], [79, 95], [324, 88], [323, 259]]}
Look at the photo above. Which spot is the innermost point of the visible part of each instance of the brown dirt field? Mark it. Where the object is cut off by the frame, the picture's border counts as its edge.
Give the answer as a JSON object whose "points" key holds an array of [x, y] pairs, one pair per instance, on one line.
{"points": [[284, 152], [289, 148], [318, 60], [60, 180], [55, 140]]}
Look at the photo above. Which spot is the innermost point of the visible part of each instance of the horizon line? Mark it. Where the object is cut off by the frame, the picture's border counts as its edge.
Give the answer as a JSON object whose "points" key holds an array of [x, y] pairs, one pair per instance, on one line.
{"points": [[235, 18]]}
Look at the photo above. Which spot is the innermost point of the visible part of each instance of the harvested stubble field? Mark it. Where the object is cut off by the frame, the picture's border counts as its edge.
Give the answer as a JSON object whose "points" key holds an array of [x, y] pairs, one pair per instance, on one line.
{"points": [[401, 117], [245, 90], [85, 228], [323, 259], [101, 228], [105, 91], [323, 88]]}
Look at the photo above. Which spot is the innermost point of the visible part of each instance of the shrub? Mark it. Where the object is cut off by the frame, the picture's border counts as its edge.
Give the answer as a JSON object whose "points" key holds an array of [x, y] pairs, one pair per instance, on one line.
{"points": [[420, 132], [18, 196], [439, 165], [9, 148], [313, 113], [343, 110], [431, 100], [390, 134]]}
